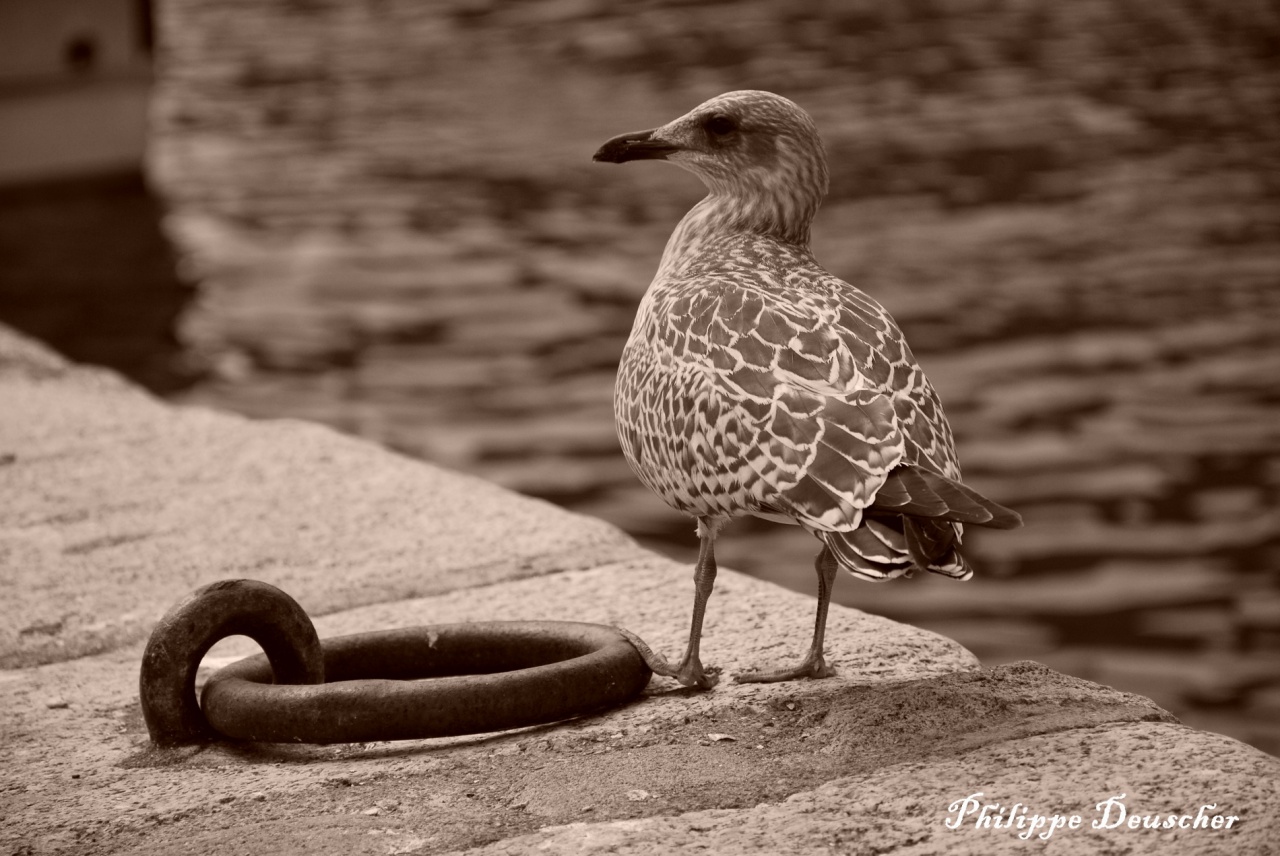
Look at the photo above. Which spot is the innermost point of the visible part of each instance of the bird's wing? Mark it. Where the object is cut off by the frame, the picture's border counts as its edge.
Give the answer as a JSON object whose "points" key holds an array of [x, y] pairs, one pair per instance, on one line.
{"points": [[803, 391], [886, 364]]}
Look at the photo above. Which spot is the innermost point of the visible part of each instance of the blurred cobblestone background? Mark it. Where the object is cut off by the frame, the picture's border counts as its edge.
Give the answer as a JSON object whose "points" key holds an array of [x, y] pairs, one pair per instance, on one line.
{"points": [[1072, 208]]}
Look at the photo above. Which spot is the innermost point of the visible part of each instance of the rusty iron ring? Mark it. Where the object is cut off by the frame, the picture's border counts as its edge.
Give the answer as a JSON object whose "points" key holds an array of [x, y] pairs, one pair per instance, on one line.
{"points": [[187, 631], [487, 676]]}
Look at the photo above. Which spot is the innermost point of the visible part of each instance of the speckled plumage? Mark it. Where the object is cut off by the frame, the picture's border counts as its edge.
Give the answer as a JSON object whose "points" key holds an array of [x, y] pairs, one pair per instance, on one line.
{"points": [[755, 382]]}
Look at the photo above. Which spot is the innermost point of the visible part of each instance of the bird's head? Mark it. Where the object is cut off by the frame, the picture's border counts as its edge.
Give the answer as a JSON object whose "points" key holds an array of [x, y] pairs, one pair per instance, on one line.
{"points": [[756, 149]]}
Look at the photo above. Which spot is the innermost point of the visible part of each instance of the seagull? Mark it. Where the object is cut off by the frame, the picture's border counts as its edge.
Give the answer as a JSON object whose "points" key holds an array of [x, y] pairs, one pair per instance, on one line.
{"points": [[754, 382]]}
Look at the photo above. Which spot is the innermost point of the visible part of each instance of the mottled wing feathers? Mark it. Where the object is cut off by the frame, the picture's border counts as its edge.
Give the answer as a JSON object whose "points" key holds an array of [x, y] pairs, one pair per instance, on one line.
{"points": [[818, 437], [851, 451]]}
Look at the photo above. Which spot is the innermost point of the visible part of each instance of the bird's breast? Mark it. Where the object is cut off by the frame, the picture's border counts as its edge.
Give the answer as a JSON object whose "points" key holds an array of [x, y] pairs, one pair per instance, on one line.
{"points": [[680, 439]]}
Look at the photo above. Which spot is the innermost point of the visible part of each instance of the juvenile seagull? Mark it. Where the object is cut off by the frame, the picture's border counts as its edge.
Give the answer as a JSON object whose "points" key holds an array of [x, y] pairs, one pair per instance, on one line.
{"points": [[755, 382]]}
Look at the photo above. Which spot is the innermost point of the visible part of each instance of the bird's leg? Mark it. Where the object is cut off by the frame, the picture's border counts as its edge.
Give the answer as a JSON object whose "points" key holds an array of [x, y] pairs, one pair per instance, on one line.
{"points": [[813, 665], [690, 672]]}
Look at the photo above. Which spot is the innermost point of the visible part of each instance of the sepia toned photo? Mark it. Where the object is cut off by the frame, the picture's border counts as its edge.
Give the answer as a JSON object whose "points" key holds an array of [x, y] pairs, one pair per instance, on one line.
{"points": [[564, 426]]}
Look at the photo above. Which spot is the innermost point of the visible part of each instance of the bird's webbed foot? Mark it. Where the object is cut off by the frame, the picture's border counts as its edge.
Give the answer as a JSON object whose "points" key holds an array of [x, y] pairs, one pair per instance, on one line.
{"points": [[690, 672], [812, 666]]}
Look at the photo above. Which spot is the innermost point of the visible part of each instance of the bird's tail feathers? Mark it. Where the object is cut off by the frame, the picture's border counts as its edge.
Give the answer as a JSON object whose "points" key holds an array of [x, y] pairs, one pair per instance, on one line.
{"points": [[888, 546], [914, 523], [917, 492]]}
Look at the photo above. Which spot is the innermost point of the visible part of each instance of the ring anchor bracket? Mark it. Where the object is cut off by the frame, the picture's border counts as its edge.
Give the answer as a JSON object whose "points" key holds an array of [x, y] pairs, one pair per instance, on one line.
{"points": [[485, 676]]}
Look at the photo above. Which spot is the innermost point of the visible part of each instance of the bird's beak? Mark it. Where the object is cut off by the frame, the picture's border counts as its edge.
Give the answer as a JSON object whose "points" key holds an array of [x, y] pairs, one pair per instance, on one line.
{"points": [[638, 145]]}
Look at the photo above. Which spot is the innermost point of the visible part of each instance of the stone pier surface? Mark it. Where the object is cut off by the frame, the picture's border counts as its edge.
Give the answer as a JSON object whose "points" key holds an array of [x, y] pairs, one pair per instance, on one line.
{"points": [[115, 505]]}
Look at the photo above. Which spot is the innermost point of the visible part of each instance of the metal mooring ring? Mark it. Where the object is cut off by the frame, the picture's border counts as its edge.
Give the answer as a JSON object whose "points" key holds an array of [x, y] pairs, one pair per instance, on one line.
{"points": [[486, 677], [188, 630]]}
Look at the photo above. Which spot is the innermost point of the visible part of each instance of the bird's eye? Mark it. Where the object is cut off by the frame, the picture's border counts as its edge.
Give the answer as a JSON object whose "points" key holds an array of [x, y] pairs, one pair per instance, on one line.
{"points": [[721, 125]]}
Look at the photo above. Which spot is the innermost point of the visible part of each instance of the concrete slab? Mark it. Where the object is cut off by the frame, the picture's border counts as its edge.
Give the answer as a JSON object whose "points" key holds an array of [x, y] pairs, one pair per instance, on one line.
{"points": [[1105, 777], [117, 505]]}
